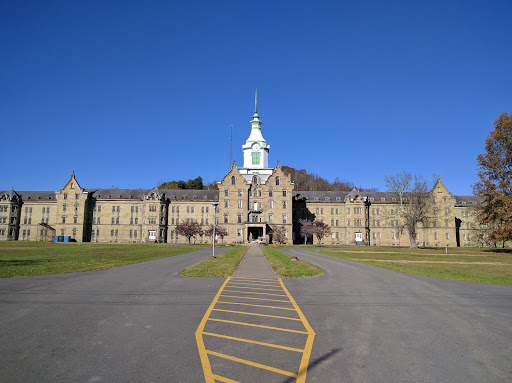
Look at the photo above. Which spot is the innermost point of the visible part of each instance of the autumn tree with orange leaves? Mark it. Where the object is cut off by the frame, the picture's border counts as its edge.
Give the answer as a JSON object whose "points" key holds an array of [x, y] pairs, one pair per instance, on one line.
{"points": [[495, 181]]}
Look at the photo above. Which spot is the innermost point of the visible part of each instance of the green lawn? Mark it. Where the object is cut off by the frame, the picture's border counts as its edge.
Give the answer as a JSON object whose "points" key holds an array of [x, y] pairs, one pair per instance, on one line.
{"points": [[284, 267], [492, 266], [19, 259], [224, 265]]}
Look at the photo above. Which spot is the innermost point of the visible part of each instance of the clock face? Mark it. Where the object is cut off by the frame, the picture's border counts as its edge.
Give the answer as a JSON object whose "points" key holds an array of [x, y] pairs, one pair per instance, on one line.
{"points": [[256, 147]]}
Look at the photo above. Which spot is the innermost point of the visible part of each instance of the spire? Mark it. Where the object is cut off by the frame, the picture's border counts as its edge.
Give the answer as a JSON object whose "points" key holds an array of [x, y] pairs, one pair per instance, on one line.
{"points": [[256, 104]]}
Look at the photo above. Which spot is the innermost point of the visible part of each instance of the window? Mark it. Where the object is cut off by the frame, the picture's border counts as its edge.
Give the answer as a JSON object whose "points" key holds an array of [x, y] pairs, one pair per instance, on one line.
{"points": [[348, 222], [226, 193], [358, 210], [63, 219], [75, 219], [277, 181], [271, 204], [172, 209], [271, 218], [152, 234], [348, 210], [207, 209], [255, 193], [240, 204], [226, 203], [322, 211], [239, 218], [284, 193], [255, 158], [233, 180], [152, 208], [284, 204], [74, 230], [225, 218], [285, 218], [445, 223], [65, 195], [64, 207], [152, 220], [188, 209], [270, 193], [447, 235], [239, 192]]}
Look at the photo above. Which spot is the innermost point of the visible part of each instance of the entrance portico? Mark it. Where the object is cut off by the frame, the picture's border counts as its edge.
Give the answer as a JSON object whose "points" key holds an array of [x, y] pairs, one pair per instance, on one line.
{"points": [[256, 231]]}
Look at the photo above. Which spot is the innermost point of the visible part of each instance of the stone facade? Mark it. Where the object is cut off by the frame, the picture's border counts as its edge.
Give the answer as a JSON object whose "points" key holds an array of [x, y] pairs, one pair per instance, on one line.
{"points": [[250, 199]]}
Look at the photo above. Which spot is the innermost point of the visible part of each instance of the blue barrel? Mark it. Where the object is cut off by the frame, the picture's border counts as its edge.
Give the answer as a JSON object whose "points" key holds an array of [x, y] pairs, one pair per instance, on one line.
{"points": [[55, 238], [61, 238], [66, 238]]}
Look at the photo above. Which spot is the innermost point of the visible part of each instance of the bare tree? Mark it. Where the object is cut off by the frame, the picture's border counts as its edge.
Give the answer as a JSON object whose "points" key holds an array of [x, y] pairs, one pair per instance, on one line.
{"points": [[416, 203]]}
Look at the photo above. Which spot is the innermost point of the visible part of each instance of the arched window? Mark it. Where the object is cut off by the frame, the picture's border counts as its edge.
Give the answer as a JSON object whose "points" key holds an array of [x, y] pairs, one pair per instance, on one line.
{"points": [[255, 193], [277, 181], [255, 180], [233, 180]]}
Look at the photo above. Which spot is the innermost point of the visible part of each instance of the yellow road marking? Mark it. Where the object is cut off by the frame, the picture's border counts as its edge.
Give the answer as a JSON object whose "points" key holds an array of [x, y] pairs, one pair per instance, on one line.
{"points": [[255, 342], [207, 370], [254, 292], [262, 366], [257, 325], [261, 315], [247, 283], [260, 299], [255, 288], [301, 377], [248, 304], [260, 279], [210, 377], [225, 380]]}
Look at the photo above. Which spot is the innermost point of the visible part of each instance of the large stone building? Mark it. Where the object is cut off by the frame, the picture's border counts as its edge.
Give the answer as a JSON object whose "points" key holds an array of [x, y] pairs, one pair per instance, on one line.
{"points": [[250, 200]]}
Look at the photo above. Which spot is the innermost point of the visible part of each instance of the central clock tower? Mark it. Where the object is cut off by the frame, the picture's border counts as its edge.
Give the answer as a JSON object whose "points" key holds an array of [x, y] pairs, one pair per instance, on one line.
{"points": [[256, 150]]}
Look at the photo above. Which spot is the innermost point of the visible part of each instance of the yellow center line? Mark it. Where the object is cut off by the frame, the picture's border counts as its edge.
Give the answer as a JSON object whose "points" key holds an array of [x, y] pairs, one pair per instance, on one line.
{"points": [[254, 292], [261, 315], [248, 362], [261, 299], [255, 342], [257, 325], [254, 288], [248, 304], [224, 379]]}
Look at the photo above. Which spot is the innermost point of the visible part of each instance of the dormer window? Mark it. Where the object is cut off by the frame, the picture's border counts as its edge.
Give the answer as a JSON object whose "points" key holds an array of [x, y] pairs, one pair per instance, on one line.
{"points": [[233, 180], [277, 181], [255, 180]]}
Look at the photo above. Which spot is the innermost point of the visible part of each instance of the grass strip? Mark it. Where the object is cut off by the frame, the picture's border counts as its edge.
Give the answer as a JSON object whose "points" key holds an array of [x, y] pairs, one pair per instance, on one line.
{"points": [[22, 259], [284, 267], [224, 265], [490, 266]]}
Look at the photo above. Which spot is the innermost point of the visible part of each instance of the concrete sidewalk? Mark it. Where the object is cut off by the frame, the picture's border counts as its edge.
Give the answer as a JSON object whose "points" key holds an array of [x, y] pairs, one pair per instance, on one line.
{"points": [[254, 265]]}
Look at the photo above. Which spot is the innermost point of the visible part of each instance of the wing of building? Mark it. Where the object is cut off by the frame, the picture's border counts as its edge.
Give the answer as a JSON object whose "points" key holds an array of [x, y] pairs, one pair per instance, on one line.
{"points": [[251, 200]]}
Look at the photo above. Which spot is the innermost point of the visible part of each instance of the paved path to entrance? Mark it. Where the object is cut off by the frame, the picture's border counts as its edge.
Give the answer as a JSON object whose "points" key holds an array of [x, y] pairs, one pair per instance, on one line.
{"points": [[254, 265], [254, 331]]}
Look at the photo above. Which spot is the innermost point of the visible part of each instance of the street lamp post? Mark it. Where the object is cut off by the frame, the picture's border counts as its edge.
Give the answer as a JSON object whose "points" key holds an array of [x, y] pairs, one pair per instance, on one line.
{"points": [[214, 224]]}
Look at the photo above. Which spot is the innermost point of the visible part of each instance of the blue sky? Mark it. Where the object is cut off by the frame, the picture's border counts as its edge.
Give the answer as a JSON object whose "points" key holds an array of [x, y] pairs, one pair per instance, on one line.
{"points": [[129, 92]]}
